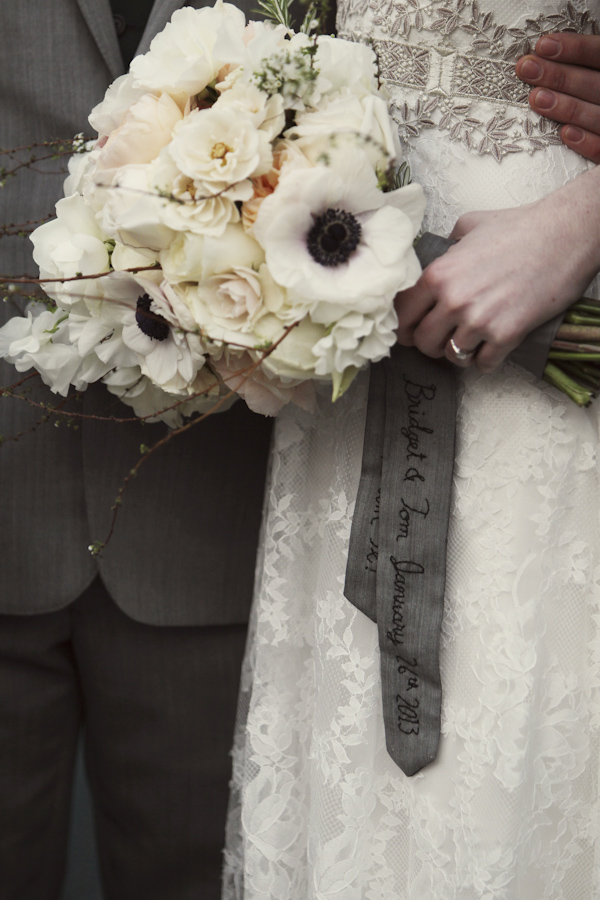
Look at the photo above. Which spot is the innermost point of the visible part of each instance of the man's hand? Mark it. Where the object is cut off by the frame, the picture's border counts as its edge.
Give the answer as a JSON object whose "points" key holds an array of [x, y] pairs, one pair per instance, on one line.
{"points": [[565, 70]]}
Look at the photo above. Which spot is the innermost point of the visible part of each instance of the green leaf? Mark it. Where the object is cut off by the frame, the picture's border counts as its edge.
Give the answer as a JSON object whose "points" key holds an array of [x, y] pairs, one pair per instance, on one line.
{"points": [[342, 381]]}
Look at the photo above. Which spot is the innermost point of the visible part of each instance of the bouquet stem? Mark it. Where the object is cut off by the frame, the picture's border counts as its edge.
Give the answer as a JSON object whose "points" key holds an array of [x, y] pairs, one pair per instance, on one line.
{"points": [[574, 359]]}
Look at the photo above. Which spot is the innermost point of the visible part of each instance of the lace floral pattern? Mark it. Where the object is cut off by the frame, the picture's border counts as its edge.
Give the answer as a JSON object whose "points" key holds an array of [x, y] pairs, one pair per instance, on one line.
{"points": [[440, 58], [511, 808]]}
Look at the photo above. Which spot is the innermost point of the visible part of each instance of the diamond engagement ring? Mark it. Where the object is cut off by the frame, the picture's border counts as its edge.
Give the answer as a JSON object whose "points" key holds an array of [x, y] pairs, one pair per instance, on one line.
{"points": [[458, 352]]}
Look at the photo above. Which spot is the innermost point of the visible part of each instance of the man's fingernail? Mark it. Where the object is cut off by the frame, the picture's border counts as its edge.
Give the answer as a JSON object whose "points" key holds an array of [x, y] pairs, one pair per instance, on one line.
{"points": [[530, 69], [544, 99], [572, 134], [549, 47]]}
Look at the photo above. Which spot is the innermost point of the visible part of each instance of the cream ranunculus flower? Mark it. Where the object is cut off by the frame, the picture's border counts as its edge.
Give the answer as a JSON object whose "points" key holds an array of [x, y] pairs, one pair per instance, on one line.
{"points": [[181, 59], [69, 246], [147, 128], [184, 207], [220, 149], [335, 241]]}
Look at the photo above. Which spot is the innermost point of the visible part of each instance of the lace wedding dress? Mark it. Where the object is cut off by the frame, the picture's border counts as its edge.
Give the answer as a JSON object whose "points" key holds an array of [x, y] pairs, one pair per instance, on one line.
{"points": [[510, 810]]}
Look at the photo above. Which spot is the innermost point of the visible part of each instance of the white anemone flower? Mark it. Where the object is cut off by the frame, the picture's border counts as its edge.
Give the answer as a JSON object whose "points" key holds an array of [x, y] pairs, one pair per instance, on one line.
{"points": [[157, 329], [337, 242]]}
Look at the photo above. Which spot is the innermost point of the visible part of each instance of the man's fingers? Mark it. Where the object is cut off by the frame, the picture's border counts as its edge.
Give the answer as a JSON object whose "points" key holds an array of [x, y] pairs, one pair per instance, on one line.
{"points": [[564, 79], [583, 142], [566, 47], [565, 109]]}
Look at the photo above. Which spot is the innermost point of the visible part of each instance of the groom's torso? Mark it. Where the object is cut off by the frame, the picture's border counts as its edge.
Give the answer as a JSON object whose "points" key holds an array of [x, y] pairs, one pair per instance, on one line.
{"points": [[184, 542]]}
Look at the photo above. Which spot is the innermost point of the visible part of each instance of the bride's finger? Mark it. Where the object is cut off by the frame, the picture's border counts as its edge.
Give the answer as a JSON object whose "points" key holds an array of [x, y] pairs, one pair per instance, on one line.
{"points": [[433, 333], [491, 356], [411, 306], [467, 223], [461, 352], [564, 79]]}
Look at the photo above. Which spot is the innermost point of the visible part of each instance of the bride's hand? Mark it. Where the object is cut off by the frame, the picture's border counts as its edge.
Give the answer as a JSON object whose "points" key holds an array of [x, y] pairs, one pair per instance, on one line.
{"points": [[565, 70], [511, 270]]}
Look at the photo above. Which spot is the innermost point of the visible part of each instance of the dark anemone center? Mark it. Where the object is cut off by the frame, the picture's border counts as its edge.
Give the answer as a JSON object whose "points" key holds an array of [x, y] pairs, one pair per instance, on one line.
{"points": [[151, 323], [334, 237]]}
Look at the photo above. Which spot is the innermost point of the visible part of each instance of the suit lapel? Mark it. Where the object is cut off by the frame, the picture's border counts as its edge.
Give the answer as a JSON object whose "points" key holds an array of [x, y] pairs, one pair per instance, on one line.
{"points": [[160, 15], [98, 16]]}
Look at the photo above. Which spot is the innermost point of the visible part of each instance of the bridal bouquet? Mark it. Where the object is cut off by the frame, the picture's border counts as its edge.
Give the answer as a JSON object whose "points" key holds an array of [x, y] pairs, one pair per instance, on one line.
{"points": [[239, 224]]}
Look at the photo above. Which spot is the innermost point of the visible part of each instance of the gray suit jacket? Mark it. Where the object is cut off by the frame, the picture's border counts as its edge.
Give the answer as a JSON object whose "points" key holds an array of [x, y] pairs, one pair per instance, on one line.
{"points": [[185, 541]]}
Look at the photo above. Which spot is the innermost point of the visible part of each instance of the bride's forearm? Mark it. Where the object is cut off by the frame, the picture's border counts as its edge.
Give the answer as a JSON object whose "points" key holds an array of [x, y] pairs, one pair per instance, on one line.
{"points": [[582, 196], [511, 270]]}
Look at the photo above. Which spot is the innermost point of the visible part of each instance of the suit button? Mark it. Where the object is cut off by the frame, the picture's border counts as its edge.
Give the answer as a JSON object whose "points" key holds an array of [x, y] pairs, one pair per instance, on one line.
{"points": [[120, 24]]}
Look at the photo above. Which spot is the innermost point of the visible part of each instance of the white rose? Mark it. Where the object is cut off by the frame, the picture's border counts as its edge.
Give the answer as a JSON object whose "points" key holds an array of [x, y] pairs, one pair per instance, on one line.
{"points": [[191, 257], [336, 241], [68, 246], [294, 356], [181, 60], [229, 305], [120, 96], [147, 128], [264, 392], [129, 258], [80, 165], [220, 149], [266, 113], [348, 120], [260, 41], [131, 210], [346, 64]]}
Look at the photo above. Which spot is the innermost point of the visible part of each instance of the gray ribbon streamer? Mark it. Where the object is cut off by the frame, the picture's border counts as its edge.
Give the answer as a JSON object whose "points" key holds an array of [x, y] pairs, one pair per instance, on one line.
{"points": [[397, 553], [396, 570]]}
